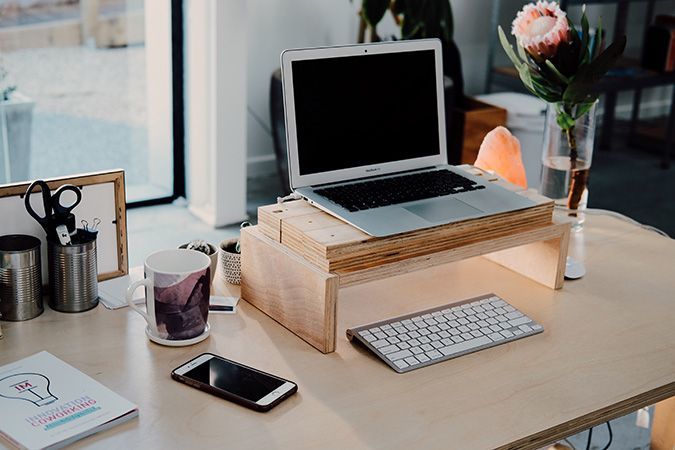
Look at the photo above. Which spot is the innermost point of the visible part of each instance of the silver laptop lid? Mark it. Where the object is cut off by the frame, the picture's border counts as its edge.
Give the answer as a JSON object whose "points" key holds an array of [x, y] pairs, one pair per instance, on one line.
{"points": [[362, 110]]}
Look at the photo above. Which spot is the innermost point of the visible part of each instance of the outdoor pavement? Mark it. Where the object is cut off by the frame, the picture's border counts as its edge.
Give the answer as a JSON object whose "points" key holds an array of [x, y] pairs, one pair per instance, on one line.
{"points": [[90, 111]]}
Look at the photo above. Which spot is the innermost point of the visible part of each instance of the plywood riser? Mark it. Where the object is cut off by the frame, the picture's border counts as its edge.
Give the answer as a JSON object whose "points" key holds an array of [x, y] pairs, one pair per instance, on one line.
{"points": [[303, 297]]}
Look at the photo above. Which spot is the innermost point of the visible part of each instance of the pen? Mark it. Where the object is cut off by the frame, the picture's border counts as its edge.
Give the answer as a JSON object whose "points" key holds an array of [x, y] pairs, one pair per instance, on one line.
{"points": [[221, 308]]}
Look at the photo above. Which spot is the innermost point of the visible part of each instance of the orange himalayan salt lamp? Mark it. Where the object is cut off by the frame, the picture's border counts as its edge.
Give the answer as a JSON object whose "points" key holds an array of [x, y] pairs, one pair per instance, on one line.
{"points": [[500, 153]]}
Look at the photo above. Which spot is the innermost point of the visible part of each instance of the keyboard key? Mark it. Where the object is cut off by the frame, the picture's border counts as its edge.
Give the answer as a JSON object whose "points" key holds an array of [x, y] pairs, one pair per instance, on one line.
{"points": [[411, 360], [424, 339], [380, 335], [434, 337], [404, 345], [513, 314], [436, 313], [401, 364], [390, 332], [443, 326], [385, 327], [388, 349], [519, 321], [444, 334], [414, 334], [462, 321], [423, 331], [446, 341], [464, 328], [422, 358], [380, 343], [476, 333], [400, 330], [517, 332], [375, 330], [437, 344], [399, 355], [416, 350], [434, 354], [496, 337], [457, 339], [507, 333], [464, 346], [426, 347], [466, 336], [393, 340], [414, 342], [537, 327], [525, 328], [369, 337], [396, 324], [434, 329]]}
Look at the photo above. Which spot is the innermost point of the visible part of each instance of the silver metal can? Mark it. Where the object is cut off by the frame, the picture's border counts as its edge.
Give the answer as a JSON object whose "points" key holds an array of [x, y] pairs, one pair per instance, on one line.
{"points": [[20, 277], [73, 284]]}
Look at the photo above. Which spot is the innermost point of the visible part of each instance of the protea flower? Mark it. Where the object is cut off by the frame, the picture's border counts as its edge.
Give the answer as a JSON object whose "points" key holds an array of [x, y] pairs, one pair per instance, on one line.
{"points": [[540, 28], [561, 65]]}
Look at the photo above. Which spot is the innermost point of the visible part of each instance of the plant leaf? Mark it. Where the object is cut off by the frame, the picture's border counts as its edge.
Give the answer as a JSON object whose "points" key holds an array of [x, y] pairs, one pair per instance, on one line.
{"points": [[563, 79], [508, 48], [584, 54], [374, 10]]}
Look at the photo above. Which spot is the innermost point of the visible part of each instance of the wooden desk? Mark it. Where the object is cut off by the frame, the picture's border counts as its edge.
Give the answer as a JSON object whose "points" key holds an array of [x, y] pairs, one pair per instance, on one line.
{"points": [[608, 349]]}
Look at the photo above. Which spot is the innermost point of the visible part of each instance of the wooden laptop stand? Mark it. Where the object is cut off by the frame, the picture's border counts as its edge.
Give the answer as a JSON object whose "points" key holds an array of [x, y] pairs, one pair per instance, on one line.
{"points": [[297, 258]]}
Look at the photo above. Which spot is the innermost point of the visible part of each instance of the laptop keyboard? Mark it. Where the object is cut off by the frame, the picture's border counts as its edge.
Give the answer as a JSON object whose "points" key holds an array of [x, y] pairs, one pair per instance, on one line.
{"points": [[394, 190]]}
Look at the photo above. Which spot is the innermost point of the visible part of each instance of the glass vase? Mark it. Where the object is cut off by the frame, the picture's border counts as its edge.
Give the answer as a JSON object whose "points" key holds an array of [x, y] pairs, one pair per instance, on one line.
{"points": [[566, 160]]}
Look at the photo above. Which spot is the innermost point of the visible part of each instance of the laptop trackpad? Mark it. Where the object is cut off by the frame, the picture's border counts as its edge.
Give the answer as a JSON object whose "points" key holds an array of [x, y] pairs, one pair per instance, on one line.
{"points": [[443, 210]]}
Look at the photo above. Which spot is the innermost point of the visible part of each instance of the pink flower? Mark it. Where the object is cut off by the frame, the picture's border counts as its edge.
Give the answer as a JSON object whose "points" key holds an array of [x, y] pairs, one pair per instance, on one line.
{"points": [[540, 28]]}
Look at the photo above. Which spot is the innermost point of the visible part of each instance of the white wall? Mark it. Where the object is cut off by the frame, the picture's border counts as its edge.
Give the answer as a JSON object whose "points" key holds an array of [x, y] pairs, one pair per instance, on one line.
{"points": [[275, 25]]}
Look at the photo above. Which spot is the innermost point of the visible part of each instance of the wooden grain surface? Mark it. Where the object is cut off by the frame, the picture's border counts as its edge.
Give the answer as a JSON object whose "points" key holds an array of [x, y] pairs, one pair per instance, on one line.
{"points": [[608, 348], [334, 245]]}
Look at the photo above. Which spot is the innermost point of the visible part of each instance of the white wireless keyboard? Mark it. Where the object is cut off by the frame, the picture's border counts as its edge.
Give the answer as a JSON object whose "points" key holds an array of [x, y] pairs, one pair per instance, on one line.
{"points": [[420, 339]]}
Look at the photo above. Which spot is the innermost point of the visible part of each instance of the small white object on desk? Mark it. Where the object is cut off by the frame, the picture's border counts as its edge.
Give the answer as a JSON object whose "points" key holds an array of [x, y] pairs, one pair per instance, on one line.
{"points": [[112, 293], [574, 269], [223, 305]]}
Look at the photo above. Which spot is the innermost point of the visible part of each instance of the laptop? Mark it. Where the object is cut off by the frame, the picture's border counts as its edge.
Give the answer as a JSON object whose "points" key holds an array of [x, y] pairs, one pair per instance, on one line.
{"points": [[365, 126]]}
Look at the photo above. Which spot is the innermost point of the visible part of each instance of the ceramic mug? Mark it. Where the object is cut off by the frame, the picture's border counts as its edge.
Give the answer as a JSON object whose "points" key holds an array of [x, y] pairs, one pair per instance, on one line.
{"points": [[177, 291]]}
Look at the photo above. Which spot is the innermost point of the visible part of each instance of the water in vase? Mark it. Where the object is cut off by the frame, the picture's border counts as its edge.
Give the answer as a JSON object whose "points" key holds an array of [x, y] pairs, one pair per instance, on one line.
{"points": [[555, 183]]}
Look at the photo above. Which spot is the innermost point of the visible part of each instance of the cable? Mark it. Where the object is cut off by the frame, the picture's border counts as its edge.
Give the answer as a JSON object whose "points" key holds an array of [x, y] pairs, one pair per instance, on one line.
{"points": [[609, 429], [292, 196], [606, 212], [590, 435], [570, 444]]}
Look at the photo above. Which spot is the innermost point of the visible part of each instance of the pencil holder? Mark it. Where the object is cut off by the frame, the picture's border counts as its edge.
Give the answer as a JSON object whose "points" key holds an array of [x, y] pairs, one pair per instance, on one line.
{"points": [[20, 277], [73, 284]]}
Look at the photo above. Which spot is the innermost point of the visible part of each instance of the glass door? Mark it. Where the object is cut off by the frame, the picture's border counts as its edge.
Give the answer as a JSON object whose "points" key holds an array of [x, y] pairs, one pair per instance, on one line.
{"points": [[91, 85]]}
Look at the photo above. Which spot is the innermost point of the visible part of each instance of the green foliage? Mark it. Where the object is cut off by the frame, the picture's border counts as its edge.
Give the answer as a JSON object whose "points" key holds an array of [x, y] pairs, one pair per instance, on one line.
{"points": [[568, 78], [418, 19]]}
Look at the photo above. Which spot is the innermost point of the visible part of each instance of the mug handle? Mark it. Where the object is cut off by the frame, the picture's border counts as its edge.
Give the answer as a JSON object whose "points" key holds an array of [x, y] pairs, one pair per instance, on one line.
{"points": [[130, 297]]}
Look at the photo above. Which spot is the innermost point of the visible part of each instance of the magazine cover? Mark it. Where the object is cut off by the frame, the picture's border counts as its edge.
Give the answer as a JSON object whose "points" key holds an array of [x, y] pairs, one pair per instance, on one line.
{"points": [[45, 402]]}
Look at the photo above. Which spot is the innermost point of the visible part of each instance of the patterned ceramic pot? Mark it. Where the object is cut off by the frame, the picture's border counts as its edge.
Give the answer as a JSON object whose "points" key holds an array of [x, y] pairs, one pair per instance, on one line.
{"points": [[230, 261]]}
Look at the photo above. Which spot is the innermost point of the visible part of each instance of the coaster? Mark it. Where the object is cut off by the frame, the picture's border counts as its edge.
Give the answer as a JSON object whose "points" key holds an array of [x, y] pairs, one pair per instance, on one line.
{"points": [[178, 343]]}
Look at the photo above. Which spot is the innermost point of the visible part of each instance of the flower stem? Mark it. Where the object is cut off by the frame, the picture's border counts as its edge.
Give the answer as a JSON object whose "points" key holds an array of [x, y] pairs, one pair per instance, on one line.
{"points": [[579, 177]]}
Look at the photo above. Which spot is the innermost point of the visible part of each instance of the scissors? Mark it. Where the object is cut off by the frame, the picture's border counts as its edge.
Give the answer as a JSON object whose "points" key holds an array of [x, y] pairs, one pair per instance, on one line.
{"points": [[56, 213]]}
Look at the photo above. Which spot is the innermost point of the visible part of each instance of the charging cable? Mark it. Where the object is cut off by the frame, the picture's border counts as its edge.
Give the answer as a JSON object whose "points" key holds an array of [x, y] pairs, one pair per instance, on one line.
{"points": [[288, 198], [606, 212]]}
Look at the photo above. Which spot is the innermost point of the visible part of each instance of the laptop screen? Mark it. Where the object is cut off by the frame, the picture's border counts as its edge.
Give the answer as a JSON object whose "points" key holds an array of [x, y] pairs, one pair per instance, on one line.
{"points": [[368, 109]]}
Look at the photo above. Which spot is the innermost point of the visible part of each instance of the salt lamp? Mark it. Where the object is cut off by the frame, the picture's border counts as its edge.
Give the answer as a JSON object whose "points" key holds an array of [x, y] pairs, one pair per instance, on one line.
{"points": [[500, 153]]}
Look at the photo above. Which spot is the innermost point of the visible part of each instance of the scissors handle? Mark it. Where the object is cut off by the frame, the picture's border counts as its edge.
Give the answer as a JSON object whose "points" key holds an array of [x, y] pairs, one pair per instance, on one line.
{"points": [[60, 210], [46, 202]]}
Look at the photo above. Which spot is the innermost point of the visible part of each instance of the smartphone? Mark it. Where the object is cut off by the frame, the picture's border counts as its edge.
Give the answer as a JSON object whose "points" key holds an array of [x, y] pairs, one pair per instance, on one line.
{"points": [[235, 382]]}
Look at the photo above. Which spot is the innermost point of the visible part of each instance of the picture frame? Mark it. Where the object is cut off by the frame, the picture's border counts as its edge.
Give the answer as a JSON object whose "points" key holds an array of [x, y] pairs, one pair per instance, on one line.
{"points": [[103, 197]]}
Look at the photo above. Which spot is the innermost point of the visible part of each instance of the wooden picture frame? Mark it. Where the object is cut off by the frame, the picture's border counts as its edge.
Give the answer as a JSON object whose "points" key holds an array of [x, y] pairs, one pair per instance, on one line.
{"points": [[104, 189]]}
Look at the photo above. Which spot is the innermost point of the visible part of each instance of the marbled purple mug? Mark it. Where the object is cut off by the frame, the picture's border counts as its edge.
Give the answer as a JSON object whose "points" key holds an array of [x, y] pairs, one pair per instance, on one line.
{"points": [[177, 291]]}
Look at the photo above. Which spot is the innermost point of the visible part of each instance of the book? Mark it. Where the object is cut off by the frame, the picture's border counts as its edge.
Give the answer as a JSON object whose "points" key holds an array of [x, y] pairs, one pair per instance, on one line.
{"points": [[46, 403]]}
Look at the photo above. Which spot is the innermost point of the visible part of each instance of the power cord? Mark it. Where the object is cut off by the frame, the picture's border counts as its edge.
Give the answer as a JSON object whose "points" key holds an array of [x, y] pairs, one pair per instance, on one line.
{"points": [[609, 429], [590, 435], [607, 212], [291, 196]]}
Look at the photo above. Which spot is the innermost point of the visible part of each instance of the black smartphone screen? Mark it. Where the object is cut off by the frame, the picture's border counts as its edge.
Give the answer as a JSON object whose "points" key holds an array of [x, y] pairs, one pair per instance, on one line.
{"points": [[235, 379]]}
